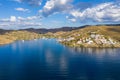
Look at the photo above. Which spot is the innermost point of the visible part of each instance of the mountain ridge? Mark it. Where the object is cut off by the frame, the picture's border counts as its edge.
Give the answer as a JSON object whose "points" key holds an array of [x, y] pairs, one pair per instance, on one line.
{"points": [[54, 30], [85, 36]]}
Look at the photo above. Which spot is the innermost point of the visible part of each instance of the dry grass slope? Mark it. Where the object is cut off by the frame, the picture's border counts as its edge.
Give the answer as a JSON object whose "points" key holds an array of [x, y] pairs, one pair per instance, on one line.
{"points": [[112, 32]]}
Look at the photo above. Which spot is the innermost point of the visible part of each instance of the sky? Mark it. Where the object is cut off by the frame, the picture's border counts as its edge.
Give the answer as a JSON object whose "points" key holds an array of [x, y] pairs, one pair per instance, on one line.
{"points": [[21, 14]]}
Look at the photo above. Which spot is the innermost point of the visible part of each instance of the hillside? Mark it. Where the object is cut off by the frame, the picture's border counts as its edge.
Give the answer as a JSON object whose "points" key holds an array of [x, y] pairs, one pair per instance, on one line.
{"points": [[23, 35], [86, 36], [92, 36], [5, 39], [12, 36]]}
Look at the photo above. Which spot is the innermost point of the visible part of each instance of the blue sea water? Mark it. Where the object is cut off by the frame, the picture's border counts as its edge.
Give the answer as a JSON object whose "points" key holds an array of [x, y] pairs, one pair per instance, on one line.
{"points": [[46, 59]]}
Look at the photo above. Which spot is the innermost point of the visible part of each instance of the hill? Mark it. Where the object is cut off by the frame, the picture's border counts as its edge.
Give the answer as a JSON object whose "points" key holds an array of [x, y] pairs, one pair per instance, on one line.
{"points": [[92, 36], [12, 36], [85, 36]]}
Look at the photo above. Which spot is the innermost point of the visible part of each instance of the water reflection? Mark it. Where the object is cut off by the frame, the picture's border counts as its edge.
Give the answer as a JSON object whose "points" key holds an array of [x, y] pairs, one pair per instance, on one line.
{"points": [[99, 53], [49, 60], [95, 50]]}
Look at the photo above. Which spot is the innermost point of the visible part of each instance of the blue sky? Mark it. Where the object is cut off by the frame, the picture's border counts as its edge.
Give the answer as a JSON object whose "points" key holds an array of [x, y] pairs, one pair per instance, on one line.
{"points": [[19, 14]]}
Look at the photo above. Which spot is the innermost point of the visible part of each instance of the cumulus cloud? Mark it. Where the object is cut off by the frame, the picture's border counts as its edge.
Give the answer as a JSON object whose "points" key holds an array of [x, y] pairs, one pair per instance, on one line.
{"points": [[22, 9], [4, 24], [28, 18], [13, 19], [31, 2], [16, 19], [5, 20], [83, 12], [71, 19], [20, 22], [105, 12], [54, 6]]}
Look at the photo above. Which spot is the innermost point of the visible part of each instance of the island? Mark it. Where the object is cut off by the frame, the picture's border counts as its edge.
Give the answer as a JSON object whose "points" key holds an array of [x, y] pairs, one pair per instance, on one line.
{"points": [[86, 36]]}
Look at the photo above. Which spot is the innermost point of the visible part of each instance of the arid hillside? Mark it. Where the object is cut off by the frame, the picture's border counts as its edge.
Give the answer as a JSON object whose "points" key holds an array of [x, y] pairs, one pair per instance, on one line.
{"points": [[90, 36]]}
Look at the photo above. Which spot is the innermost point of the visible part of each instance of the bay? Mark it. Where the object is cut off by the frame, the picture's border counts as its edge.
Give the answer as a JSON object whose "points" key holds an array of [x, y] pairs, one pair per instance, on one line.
{"points": [[46, 59]]}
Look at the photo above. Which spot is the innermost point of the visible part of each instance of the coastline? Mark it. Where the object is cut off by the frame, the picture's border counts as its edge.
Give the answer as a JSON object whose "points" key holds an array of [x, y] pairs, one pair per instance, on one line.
{"points": [[70, 46], [89, 37]]}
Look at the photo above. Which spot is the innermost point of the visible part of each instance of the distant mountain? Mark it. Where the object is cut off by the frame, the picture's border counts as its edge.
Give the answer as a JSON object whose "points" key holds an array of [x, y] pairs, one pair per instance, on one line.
{"points": [[43, 30], [108, 25], [2, 31], [83, 36]]}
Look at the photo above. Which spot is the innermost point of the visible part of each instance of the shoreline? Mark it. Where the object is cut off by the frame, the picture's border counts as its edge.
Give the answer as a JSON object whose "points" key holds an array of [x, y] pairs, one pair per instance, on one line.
{"points": [[99, 47], [89, 37]]}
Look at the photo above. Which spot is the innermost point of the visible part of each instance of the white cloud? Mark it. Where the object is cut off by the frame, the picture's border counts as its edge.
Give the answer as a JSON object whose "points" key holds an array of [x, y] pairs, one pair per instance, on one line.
{"points": [[4, 24], [32, 18], [24, 24], [31, 2], [54, 6], [21, 18], [18, 19], [105, 12], [4, 20], [19, 1], [71, 19], [13, 19], [28, 18], [22, 9], [20, 22]]}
